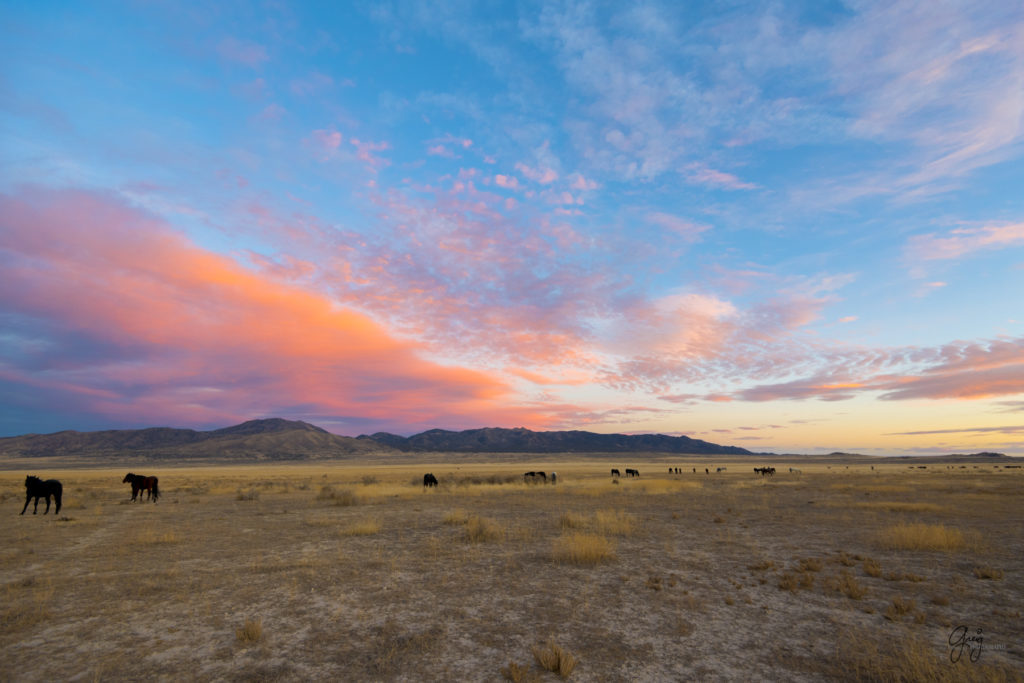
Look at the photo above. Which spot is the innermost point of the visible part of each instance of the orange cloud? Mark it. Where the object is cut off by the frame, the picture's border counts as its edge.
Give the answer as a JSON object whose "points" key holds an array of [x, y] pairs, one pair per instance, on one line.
{"points": [[140, 324]]}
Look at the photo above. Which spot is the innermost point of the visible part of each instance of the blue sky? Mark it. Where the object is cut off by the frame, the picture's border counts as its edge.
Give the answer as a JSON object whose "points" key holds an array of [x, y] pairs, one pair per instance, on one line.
{"points": [[791, 227]]}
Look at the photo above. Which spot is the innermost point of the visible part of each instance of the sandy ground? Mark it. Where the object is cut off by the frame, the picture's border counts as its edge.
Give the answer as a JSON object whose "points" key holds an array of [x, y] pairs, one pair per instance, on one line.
{"points": [[349, 572]]}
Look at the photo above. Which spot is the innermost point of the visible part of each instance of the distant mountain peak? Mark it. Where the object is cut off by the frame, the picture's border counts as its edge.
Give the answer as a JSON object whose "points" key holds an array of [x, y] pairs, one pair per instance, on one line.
{"points": [[268, 425]]}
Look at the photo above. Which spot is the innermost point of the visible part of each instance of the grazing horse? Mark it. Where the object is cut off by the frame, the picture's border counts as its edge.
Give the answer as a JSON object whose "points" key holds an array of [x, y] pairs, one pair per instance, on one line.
{"points": [[429, 480], [554, 477], [616, 473], [140, 483], [37, 488], [632, 473]]}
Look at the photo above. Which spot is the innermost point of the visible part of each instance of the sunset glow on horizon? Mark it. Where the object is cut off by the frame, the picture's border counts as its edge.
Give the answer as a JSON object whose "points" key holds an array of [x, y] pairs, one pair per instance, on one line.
{"points": [[793, 228]]}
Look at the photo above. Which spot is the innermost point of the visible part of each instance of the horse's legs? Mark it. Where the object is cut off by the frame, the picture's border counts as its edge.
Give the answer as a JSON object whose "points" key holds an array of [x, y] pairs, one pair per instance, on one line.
{"points": [[27, 499], [47, 504], [35, 508]]}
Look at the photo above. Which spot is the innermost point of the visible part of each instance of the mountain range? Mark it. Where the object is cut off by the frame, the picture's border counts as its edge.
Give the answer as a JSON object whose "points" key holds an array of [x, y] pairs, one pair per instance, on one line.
{"points": [[276, 439]]}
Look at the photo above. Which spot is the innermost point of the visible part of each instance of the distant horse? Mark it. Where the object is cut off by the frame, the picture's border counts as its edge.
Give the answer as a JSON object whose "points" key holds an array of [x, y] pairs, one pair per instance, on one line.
{"points": [[616, 473], [529, 476], [141, 483], [37, 488], [429, 480], [632, 473], [554, 477]]}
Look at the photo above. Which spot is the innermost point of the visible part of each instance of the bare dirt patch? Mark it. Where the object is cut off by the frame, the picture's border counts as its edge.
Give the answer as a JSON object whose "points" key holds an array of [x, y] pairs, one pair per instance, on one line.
{"points": [[357, 573]]}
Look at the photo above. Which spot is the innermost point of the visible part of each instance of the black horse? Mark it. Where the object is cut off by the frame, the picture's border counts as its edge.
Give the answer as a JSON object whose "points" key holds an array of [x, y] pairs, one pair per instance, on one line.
{"points": [[616, 473], [140, 483], [37, 488], [429, 480], [632, 473]]}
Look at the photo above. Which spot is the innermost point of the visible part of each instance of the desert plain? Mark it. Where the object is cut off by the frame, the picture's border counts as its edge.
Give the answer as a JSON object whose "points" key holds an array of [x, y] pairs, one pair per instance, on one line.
{"points": [[354, 571]]}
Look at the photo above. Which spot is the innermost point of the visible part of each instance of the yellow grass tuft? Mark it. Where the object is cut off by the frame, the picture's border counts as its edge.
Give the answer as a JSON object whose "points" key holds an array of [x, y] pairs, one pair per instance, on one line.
{"points": [[988, 573], [483, 529], [922, 537], [555, 658], [150, 537], [367, 527], [456, 517], [616, 522], [582, 549], [251, 631]]}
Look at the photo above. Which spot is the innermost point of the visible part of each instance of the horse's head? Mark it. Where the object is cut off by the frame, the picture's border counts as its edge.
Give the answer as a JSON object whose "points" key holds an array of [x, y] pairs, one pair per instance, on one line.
{"points": [[128, 477], [29, 480]]}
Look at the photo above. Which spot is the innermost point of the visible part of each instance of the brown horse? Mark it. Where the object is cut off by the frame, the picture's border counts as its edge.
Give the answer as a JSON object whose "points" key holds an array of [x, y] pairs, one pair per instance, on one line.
{"points": [[140, 483]]}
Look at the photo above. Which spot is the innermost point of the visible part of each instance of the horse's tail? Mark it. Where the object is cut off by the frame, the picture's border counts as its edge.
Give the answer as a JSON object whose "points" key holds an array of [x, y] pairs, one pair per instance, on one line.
{"points": [[57, 491], [156, 489]]}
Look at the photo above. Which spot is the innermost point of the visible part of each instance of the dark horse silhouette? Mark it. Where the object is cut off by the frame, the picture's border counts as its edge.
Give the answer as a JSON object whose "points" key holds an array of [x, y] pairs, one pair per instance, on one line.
{"points": [[37, 488], [140, 483], [429, 480]]}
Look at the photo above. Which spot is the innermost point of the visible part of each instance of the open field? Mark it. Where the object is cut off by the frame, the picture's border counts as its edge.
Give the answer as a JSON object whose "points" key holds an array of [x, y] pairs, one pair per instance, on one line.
{"points": [[350, 572]]}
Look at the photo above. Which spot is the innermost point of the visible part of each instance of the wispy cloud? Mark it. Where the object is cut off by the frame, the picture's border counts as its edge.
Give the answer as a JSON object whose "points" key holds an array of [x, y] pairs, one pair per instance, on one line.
{"points": [[964, 241]]}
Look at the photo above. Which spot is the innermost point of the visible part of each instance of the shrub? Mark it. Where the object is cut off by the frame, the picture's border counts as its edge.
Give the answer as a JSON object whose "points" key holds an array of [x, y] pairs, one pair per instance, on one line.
{"points": [[872, 568]]}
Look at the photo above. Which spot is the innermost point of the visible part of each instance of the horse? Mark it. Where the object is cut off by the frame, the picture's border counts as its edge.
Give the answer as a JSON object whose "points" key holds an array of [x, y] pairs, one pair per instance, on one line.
{"points": [[529, 476], [140, 483], [37, 488], [616, 473], [632, 473], [429, 480], [554, 477]]}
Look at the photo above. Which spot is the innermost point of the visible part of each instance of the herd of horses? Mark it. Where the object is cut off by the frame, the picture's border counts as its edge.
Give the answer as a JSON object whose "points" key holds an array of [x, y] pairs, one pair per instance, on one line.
{"points": [[36, 488]]}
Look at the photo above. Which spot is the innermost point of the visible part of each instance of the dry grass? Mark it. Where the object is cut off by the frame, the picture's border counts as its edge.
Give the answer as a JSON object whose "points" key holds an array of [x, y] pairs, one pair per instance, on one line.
{"points": [[483, 530], [366, 527], [872, 568], [555, 658], [251, 632], [989, 573], [582, 549], [922, 536], [364, 575]]}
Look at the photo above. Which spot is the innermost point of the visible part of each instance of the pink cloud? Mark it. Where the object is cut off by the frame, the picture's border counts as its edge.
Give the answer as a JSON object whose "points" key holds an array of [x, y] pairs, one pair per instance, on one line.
{"points": [[365, 151], [242, 52], [508, 182], [704, 175], [543, 176], [440, 151], [964, 241], [314, 84], [581, 183], [174, 331], [684, 228]]}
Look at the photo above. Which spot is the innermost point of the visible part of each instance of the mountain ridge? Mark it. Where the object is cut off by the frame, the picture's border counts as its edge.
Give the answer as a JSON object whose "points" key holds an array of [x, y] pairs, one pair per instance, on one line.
{"points": [[279, 439]]}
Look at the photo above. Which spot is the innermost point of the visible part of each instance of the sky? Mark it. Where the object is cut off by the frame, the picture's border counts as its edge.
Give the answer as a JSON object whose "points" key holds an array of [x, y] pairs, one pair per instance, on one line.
{"points": [[791, 227]]}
